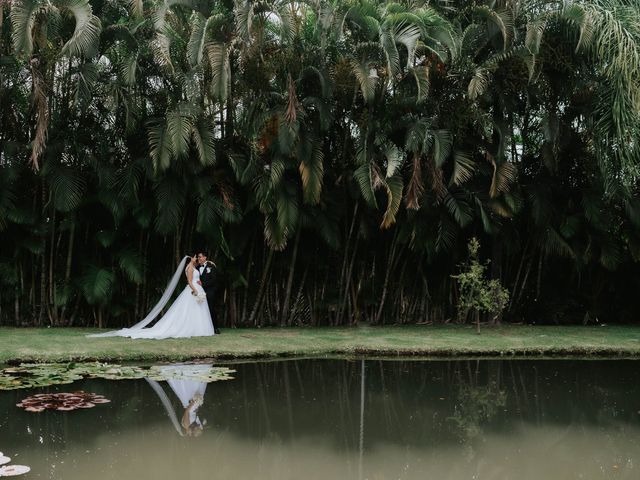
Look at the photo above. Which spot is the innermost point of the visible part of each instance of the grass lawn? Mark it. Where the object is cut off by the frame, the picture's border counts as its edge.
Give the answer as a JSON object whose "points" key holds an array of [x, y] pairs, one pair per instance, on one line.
{"points": [[66, 344]]}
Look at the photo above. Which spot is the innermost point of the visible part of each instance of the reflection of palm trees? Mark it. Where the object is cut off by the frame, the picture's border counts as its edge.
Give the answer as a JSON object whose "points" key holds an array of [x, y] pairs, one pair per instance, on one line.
{"points": [[191, 394], [361, 447]]}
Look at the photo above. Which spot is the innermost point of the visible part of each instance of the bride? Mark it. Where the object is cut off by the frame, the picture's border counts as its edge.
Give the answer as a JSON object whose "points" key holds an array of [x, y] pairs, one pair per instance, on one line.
{"points": [[188, 316], [189, 391]]}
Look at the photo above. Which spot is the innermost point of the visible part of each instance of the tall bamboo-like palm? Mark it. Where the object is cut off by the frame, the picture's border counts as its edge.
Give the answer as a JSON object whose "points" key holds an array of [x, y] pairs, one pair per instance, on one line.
{"points": [[36, 32], [374, 136]]}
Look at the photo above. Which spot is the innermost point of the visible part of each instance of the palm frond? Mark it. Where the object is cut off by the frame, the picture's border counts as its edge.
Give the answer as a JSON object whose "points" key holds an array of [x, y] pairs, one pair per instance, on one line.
{"points": [[367, 83], [41, 103], [583, 19], [504, 175], [179, 129], [408, 35], [421, 74], [276, 173], [218, 55], [23, 18], [97, 285], [472, 39], [106, 238], [487, 223], [364, 179], [442, 143], [203, 138], [128, 68], [311, 171], [392, 56], [479, 82], [287, 209], [243, 14], [418, 136], [415, 188], [170, 198], [136, 7], [502, 20], [160, 144], [87, 76], [393, 187], [86, 36], [128, 180], [554, 243], [276, 238], [131, 262], [394, 158], [611, 255], [446, 235], [67, 187], [161, 48], [533, 36], [458, 208], [463, 168], [195, 47]]}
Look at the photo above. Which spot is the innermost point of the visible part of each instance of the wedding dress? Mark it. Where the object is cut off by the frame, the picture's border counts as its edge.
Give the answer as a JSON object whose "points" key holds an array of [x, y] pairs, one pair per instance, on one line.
{"points": [[188, 316], [186, 390]]}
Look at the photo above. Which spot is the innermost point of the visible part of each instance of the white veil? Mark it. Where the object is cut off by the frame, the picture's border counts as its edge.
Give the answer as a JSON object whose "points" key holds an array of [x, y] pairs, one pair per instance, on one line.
{"points": [[155, 311]]}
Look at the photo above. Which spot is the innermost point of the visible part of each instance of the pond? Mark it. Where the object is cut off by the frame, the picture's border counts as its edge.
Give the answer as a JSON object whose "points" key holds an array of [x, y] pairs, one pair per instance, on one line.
{"points": [[342, 419]]}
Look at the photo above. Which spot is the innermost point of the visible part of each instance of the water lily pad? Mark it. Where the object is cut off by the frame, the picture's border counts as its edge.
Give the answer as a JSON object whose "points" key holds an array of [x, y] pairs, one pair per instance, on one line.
{"points": [[13, 470], [62, 402], [198, 373], [35, 409], [32, 375]]}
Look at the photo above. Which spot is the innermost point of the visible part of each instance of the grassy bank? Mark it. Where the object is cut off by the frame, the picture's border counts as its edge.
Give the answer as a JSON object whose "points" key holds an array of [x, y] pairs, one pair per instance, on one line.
{"points": [[46, 344]]}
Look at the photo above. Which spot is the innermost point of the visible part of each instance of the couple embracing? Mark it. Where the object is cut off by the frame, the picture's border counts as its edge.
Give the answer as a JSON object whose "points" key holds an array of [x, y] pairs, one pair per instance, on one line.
{"points": [[192, 314]]}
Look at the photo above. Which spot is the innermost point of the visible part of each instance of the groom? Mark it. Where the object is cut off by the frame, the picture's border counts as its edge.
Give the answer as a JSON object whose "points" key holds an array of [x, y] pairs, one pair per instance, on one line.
{"points": [[208, 280]]}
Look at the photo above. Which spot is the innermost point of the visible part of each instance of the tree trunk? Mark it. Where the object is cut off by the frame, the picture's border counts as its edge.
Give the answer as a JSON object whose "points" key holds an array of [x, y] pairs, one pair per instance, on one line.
{"points": [[67, 272], [540, 265], [515, 283], [345, 262], [43, 265], [287, 297], [387, 275], [524, 280], [496, 270], [247, 276], [263, 282], [52, 309]]}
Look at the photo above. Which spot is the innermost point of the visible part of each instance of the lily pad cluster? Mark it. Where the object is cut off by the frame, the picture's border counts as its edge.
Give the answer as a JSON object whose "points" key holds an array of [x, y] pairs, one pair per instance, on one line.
{"points": [[62, 402], [35, 375], [11, 470]]}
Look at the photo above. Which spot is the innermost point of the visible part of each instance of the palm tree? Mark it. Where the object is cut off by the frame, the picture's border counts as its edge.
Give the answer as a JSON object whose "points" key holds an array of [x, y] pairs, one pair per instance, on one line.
{"points": [[36, 32]]}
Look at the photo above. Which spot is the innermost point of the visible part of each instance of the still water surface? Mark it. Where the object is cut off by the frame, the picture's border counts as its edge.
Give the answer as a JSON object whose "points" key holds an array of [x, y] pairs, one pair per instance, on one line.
{"points": [[336, 419]]}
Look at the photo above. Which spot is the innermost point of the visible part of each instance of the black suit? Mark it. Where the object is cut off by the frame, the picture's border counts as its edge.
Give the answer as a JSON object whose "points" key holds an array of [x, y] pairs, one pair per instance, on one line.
{"points": [[209, 279]]}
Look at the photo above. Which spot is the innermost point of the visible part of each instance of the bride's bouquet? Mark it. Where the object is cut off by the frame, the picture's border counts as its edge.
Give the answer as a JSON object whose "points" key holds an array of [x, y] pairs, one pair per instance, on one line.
{"points": [[201, 297]]}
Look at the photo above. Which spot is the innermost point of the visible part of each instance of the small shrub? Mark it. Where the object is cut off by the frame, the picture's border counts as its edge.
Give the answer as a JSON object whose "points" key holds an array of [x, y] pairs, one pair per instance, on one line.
{"points": [[477, 294]]}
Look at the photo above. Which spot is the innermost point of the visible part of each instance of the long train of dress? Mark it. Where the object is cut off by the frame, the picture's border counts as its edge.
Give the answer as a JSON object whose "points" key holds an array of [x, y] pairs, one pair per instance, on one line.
{"points": [[188, 316]]}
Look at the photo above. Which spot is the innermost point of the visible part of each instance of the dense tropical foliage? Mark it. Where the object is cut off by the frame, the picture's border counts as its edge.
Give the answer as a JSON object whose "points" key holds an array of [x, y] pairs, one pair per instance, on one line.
{"points": [[334, 156]]}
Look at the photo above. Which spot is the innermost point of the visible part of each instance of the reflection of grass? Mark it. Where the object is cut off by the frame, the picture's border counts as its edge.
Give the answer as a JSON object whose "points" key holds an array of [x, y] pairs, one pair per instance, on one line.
{"points": [[418, 340]]}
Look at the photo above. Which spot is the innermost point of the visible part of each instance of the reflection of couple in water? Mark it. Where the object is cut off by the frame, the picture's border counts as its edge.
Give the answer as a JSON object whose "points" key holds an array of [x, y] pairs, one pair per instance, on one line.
{"points": [[190, 392]]}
